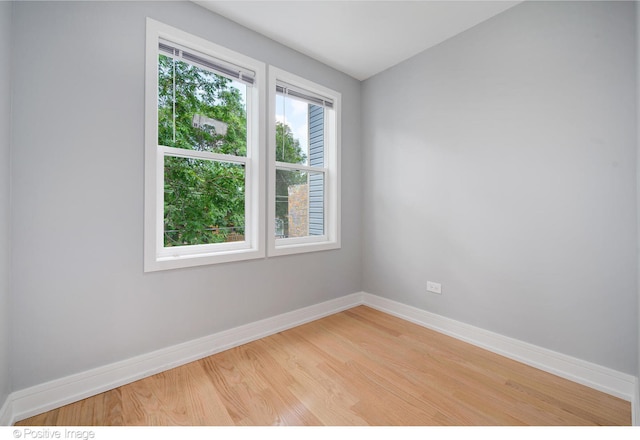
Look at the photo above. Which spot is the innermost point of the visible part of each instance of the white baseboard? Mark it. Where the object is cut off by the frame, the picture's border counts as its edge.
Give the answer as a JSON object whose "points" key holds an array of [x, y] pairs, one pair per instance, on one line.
{"points": [[595, 376], [50, 395], [44, 397], [635, 405], [5, 412]]}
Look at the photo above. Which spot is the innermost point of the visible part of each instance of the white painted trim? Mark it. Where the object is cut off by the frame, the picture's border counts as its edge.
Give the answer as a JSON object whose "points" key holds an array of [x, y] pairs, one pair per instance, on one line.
{"points": [[635, 405], [156, 256], [595, 376], [333, 141], [45, 397], [5, 412]]}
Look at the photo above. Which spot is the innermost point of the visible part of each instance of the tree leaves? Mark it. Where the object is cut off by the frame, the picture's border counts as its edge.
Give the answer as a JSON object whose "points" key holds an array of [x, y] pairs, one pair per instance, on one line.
{"points": [[204, 200]]}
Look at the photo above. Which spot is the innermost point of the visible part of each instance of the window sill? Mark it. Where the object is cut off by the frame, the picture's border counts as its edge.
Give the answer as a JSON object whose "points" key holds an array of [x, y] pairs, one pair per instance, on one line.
{"points": [[284, 248], [200, 259]]}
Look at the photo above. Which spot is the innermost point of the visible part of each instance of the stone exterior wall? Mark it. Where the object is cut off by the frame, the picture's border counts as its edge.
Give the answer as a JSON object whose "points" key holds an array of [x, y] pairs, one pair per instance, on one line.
{"points": [[299, 210]]}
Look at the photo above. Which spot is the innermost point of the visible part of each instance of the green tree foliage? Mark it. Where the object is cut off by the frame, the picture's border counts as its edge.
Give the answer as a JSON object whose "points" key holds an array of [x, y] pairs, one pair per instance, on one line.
{"points": [[204, 200], [185, 90], [287, 147]]}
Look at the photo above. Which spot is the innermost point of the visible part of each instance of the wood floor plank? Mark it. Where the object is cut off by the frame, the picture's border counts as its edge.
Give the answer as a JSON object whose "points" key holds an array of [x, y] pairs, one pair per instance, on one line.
{"points": [[424, 375], [357, 367], [241, 392], [578, 403], [313, 388]]}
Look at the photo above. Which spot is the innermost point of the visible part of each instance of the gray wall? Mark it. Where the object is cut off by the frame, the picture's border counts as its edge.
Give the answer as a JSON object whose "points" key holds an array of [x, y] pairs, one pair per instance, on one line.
{"points": [[81, 299], [637, 414], [502, 163], [5, 242]]}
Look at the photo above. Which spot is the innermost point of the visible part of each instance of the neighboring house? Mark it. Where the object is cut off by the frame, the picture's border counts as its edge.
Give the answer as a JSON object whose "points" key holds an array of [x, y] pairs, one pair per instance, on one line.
{"points": [[306, 201], [316, 181], [298, 217]]}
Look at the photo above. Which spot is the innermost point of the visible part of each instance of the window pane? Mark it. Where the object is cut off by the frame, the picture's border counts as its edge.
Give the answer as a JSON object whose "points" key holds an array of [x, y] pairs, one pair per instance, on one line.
{"points": [[299, 131], [299, 203], [204, 201], [200, 110]]}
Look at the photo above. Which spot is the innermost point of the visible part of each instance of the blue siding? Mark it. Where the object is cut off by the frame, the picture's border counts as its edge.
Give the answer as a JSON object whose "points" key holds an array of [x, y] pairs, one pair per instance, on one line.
{"points": [[316, 180]]}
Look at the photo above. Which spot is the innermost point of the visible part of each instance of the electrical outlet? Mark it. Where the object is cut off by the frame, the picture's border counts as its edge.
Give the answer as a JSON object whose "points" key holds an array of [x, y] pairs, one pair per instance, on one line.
{"points": [[434, 287]]}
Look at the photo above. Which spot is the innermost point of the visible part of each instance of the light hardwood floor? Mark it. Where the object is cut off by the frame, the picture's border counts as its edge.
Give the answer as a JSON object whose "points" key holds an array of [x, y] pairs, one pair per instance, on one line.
{"points": [[357, 367]]}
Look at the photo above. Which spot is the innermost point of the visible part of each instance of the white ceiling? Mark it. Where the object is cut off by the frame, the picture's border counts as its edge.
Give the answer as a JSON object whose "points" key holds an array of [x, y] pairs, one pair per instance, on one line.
{"points": [[359, 37]]}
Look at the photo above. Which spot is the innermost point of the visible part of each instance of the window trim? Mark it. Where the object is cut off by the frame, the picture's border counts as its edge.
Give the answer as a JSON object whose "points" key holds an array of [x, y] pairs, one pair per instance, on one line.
{"points": [[156, 256], [331, 237]]}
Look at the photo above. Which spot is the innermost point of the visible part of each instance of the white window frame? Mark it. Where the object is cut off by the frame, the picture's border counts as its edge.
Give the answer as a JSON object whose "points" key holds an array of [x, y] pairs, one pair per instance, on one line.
{"points": [[331, 237], [156, 255]]}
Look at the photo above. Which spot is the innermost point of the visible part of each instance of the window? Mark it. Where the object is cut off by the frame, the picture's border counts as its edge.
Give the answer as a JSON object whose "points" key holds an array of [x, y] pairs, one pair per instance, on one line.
{"points": [[304, 173], [204, 191], [205, 187]]}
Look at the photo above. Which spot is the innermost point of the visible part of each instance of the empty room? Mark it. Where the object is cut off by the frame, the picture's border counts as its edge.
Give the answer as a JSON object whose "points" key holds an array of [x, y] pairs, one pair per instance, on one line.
{"points": [[321, 213]]}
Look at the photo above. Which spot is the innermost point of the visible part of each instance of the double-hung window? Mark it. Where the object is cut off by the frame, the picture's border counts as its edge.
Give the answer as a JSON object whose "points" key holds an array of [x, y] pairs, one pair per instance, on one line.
{"points": [[304, 173], [205, 156], [203, 167]]}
